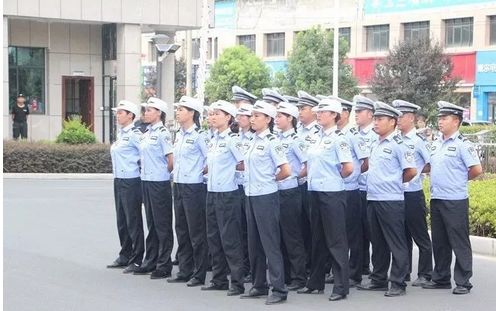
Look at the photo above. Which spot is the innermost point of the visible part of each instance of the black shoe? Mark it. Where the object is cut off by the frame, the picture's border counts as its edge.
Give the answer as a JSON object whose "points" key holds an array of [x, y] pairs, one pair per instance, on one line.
{"points": [[295, 286], [460, 290], [235, 291], [159, 274], [178, 279], [408, 278], [434, 285], [395, 291], [213, 286], [329, 279], [420, 281], [131, 268], [143, 270], [194, 282], [273, 299], [373, 287], [175, 262], [366, 271], [353, 283], [336, 297], [306, 290], [117, 264], [247, 279], [254, 293]]}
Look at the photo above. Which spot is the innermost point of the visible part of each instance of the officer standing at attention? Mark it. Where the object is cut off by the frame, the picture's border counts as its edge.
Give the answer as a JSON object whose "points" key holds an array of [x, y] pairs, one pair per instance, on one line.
{"points": [[294, 253], [364, 114], [360, 153], [240, 96], [156, 165], [127, 188], [190, 152], [454, 162], [329, 161], [391, 164], [265, 164], [415, 209]]}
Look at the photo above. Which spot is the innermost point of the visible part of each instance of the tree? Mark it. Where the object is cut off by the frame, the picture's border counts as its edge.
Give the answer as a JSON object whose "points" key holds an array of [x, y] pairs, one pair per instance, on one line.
{"points": [[180, 78], [236, 66], [310, 66], [418, 72]]}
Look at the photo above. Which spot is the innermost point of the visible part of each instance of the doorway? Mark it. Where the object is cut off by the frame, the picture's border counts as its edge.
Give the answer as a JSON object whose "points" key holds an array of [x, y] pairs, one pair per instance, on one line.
{"points": [[77, 99]]}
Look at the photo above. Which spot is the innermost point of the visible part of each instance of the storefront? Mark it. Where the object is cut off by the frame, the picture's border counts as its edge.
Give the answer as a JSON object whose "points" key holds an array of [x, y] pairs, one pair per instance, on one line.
{"points": [[485, 86]]}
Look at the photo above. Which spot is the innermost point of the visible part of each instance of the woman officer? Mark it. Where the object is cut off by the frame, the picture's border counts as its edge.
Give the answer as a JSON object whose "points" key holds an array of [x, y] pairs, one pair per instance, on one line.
{"points": [[329, 161], [224, 202], [156, 165], [290, 197], [190, 152], [265, 164]]}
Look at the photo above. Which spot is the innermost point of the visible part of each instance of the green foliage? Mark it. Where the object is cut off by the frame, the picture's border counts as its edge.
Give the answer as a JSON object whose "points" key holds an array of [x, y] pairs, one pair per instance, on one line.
{"points": [[180, 78], [27, 157], [310, 66], [236, 66], [416, 71], [75, 132], [491, 135]]}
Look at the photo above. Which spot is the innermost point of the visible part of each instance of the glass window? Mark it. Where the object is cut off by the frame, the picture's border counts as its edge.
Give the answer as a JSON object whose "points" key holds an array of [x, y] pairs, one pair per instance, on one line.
{"points": [[196, 48], [27, 77], [248, 41], [209, 48], [216, 48], [345, 33], [416, 31], [275, 44], [492, 30], [459, 32], [377, 38]]}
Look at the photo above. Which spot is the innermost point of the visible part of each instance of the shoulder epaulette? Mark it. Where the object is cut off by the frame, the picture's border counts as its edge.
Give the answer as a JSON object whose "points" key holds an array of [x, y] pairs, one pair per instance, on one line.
{"points": [[339, 133], [200, 130], [353, 131], [137, 130], [421, 136], [294, 136], [271, 136], [398, 139], [462, 138], [232, 134]]}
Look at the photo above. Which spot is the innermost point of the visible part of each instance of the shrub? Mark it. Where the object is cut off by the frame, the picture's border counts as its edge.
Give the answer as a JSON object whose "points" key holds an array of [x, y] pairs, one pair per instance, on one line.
{"points": [[26, 157], [491, 135], [74, 132]]}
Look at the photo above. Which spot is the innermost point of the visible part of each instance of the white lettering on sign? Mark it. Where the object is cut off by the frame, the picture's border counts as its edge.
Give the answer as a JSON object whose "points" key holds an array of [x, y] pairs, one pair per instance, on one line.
{"points": [[486, 68]]}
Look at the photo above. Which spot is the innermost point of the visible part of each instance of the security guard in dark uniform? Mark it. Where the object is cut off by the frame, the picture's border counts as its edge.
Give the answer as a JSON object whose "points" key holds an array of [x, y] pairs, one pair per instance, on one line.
{"points": [[391, 164], [156, 165], [127, 188], [415, 209], [265, 164], [454, 162], [190, 152]]}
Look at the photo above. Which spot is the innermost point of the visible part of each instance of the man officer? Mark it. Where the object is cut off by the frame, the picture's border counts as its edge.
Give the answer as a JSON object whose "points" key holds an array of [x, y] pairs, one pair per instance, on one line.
{"points": [[415, 209], [454, 161]]}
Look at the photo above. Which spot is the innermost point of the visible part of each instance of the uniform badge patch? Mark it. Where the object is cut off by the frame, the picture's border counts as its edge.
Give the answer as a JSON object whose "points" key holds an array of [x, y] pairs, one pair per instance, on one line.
{"points": [[189, 141], [260, 147], [409, 156], [387, 150], [344, 146], [451, 148]]}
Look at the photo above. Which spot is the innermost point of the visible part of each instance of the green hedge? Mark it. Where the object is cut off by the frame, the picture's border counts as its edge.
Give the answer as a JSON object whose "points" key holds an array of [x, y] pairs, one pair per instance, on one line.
{"points": [[477, 128], [482, 201], [26, 157]]}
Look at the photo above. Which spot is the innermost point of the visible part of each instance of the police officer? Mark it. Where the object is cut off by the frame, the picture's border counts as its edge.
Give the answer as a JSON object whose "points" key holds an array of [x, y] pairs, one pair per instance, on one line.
{"points": [[454, 161], [415, 209], [156, 165], [190, 152], [360, 153], [364, 113], [127, 188], [294, 253], [265, 164], [391, 163], [240, 96], [329, 161], [291, 99]]}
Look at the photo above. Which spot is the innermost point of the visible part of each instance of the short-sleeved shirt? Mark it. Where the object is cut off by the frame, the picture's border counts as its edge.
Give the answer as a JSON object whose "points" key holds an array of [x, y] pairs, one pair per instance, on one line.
{"points": [[387, 161], [20, 113], [418, 145], [224, 153], [451, 159], [369, 137], [190, 154], [327, 150], [155, 145], [295, 150], [359, 152], [265, 154], [125, 153], [245, 138], [305, 132]]}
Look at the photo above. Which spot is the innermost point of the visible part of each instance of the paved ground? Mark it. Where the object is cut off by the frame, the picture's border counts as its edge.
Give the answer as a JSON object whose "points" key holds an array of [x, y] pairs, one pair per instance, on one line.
{"points": [[59, 235]]}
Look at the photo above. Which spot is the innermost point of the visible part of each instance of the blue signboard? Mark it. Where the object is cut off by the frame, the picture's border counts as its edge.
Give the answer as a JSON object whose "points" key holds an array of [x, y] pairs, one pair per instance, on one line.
{"points": [[396, 6], [225, 14], [277, 66], [485, 83]]}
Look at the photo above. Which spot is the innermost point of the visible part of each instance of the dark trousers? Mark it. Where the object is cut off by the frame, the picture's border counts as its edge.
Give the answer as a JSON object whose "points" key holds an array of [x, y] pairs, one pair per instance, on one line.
{"points": [[329, 240], [157, 197], [244, 234], [191, 232], [365, 233], [354, 233], [127, 195], [416, 230], [293, 248], [224, 237], [264, 242], [305, 223], [450, 233], [20, 129], [387, 234]]}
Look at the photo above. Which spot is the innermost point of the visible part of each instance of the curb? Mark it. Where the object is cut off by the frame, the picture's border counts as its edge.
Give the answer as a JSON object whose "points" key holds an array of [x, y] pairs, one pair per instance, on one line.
{"points": [[80, 176], [483, 246]]}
